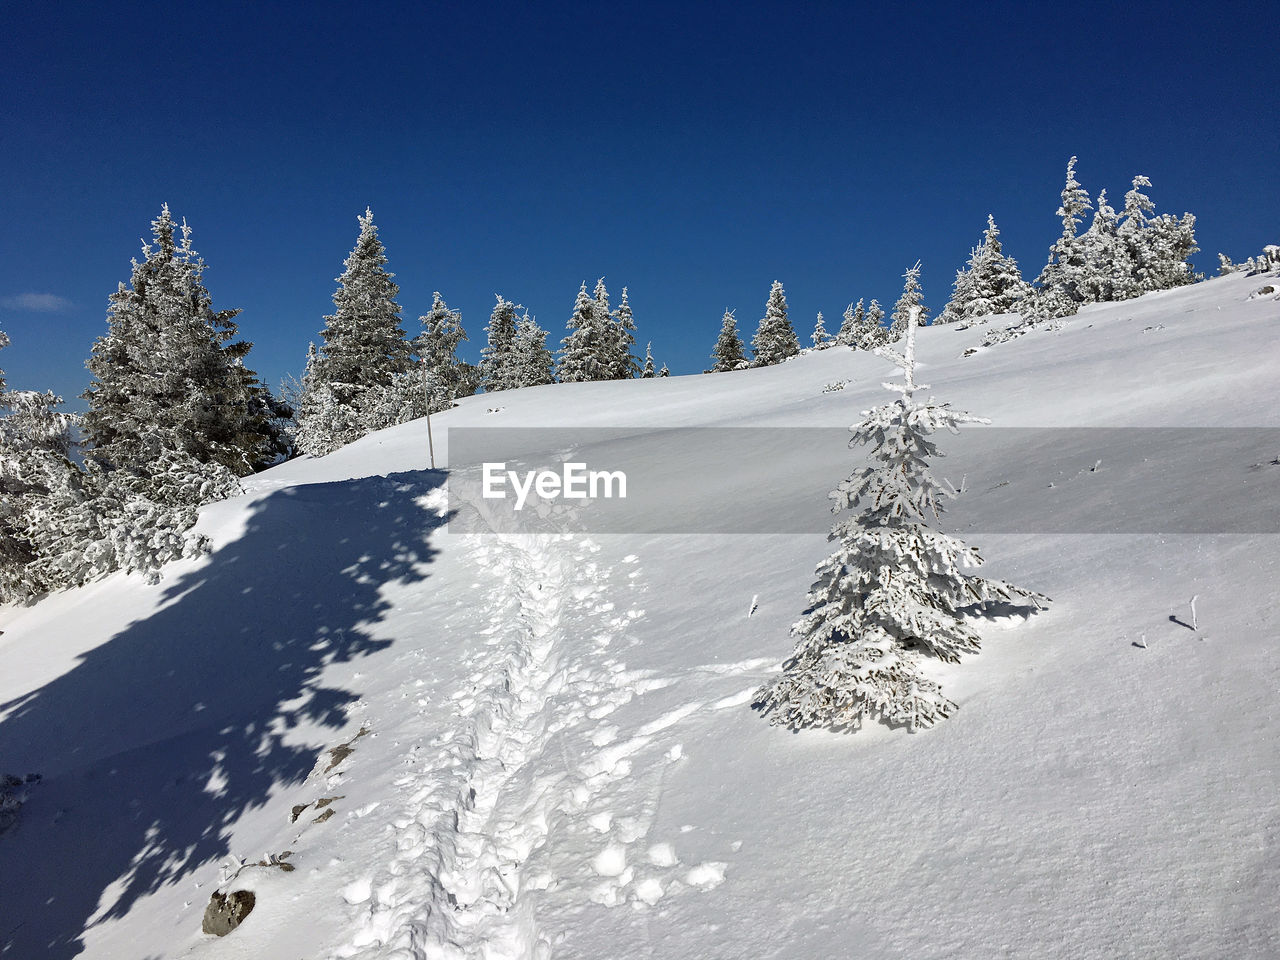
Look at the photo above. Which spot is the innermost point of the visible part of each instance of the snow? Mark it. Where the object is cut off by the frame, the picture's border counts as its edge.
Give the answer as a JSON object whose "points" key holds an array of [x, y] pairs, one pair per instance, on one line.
{"points": [[560, 759]]}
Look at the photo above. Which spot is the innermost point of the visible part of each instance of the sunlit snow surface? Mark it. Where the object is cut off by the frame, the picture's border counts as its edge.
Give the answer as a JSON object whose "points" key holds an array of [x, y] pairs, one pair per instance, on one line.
{"points": [[561, 759]]}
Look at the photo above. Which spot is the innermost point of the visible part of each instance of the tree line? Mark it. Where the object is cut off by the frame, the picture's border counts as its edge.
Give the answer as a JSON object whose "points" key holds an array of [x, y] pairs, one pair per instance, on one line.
{"points": [[176, 417]]}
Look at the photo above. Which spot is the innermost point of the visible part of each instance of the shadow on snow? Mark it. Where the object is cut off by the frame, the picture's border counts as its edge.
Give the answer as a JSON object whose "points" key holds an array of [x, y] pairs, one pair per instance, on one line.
{"points": [[129, 740]]}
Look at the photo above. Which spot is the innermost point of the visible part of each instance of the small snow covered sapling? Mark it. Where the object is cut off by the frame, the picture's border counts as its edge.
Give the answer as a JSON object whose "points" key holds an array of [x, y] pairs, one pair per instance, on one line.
{"points": [[892, 593]]}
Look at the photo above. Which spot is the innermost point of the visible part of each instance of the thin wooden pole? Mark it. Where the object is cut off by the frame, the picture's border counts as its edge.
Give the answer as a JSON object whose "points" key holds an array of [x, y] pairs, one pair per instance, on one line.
{"points": [[426, 394], [430, 446]]}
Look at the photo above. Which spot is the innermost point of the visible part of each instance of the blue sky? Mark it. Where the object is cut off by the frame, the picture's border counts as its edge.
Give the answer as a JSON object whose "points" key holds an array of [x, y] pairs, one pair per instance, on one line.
{"points": [[693, 152]]}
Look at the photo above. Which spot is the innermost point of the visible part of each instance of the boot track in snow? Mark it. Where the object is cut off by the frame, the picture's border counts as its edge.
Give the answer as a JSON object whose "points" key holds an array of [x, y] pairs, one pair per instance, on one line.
{"points": [[460, 883]]}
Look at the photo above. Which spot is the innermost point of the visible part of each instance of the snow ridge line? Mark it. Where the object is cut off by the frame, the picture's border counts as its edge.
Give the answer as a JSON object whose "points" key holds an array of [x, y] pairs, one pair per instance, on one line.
{"points": [[456, 886]]}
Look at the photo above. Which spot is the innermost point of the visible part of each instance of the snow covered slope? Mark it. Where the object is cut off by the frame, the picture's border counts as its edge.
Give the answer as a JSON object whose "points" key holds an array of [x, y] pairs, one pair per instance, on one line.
{"points": [[545, 744]]}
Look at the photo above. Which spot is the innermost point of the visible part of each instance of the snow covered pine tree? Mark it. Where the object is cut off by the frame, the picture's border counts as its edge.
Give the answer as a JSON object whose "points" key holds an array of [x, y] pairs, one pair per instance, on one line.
{"points": [[498, 361], [775, 338], [912, 298], [990, 284], [729, 353], [35, 443], [534, 364], [821, 339], [447, 376], [352, 384], [622, 365], [582, 350], [169, 374], [892, 593]]}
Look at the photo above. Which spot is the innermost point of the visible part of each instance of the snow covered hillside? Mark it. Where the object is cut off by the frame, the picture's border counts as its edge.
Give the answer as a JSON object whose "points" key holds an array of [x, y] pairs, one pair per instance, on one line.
{"points": [[410, 743]]}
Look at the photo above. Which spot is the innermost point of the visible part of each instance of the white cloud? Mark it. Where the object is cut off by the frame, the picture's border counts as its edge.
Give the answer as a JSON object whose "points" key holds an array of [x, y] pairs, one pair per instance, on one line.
{"points": [[36, 303]]}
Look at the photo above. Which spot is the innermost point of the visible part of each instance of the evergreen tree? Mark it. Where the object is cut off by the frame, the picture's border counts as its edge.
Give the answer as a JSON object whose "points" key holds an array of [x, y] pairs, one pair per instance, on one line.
{"points": [[990, 284], [962, 291], [729, 353], [606, 336], [850, 329], [647, 373], [1156, 248], [447, 375], [94, 521], [1265, 262], [664, 372], [61, 525], [1060, 283], [622, 365], [775, 339], [912, 296], [862, 328], [169, 375], [324, 424], [875, 332], [364, 344], [892, 593], [1107, 268], [364, 362], [533, 361], [1173, 240], [999, 284], [35, 446], [498, 359], [585, 352], [821, 339]]}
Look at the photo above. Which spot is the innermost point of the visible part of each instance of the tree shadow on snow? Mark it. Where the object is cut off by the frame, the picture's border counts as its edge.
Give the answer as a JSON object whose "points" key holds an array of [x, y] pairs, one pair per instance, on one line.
{"points": [[161, 737]]}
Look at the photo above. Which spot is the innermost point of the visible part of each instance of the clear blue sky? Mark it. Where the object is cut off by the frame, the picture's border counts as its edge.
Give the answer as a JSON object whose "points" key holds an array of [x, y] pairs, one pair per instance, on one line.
{"points": [[694, 152]]}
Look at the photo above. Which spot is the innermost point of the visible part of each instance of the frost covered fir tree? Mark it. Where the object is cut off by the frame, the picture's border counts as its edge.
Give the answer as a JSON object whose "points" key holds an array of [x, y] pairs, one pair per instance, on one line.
{"points": [[962, 292], [875, 333], [991, 282], [61, 525], [533, 360], [1265, 262], [1060, 286], [912, 297], [364, 350], [612, 336], [364, 344], [447, 375], [1156, 248], [729, 353], [432, 383], [622, 365], [498, 363], [647, 372], [820, 338], [586, 351], [94, 521], [35, 446], [1107, 269], [775, 339], [664, 372], [1132, 239], [169, 373], [847, 335], [893, 593], [862, 328], [323, 423]]}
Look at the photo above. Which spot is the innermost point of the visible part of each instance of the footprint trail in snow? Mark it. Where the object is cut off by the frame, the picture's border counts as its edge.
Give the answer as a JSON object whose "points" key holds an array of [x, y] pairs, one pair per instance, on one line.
{"points": [[527, 760]]}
